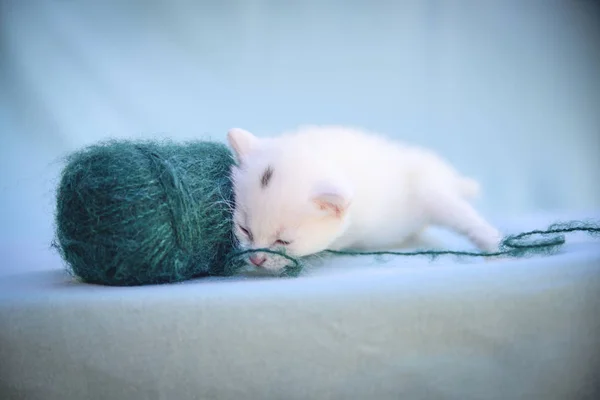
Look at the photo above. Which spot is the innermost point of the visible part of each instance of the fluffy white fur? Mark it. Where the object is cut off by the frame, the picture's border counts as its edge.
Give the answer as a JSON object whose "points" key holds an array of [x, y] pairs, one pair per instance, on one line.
{"points": [[330, 187]]}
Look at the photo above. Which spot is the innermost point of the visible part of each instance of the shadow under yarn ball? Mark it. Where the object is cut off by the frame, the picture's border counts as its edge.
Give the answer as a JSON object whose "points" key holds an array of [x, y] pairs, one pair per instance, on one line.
{"points": [[136, 213]]}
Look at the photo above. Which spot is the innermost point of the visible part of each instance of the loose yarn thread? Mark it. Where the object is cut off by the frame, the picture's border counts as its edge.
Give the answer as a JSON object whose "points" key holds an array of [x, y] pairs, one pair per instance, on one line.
{"points": [[549, 242]]}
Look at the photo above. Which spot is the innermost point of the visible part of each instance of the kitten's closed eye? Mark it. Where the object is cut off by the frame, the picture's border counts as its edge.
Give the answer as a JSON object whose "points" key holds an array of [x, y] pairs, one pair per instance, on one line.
{"points": [[246, 232]]}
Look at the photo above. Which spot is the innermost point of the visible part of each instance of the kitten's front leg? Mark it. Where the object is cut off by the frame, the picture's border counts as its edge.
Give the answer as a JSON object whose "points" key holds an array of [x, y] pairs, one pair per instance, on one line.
{"points": [[449, 210]]}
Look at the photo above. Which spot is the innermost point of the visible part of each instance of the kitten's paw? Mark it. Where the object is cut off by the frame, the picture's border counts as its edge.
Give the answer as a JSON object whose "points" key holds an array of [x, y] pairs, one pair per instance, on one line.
{"points": [[488, 241]]}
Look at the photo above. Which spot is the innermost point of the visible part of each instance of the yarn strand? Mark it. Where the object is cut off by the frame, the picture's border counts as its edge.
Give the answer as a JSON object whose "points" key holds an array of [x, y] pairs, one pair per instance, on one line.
{"points": [[523, 244]]}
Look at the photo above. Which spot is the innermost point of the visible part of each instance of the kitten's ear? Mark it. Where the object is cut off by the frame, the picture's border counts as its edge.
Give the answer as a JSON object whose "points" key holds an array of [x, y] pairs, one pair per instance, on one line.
{"points": [[242, 142], [333, 200]]}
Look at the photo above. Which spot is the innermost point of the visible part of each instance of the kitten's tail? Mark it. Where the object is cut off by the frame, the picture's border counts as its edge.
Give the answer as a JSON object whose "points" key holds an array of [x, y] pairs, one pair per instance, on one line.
{"points": [[469, 188]]}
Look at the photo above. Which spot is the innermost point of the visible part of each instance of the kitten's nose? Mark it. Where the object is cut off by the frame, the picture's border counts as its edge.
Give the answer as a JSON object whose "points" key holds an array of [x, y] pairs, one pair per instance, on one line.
{"points": [[257, 260]]}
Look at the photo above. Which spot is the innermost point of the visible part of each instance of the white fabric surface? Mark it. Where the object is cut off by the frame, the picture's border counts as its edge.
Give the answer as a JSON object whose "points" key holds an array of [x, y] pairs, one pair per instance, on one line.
{"points": [[347, 329]]}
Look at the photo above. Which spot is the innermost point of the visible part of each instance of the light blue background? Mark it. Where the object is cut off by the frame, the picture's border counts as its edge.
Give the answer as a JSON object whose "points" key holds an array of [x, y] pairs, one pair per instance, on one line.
{"points": [[508, 91]]}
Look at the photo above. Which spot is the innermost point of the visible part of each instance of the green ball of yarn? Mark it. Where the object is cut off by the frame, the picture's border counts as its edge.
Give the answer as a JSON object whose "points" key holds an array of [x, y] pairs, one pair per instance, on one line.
{"points": [[136, 213]]}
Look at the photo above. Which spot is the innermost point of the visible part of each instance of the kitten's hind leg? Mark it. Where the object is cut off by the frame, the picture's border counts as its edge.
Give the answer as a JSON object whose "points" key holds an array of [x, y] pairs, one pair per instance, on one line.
{"points": [[450, 210]]}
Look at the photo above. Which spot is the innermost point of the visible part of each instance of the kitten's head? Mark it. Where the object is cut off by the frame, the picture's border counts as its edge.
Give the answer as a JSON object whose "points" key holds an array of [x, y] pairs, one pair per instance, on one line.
{"points": [[284, 199]]}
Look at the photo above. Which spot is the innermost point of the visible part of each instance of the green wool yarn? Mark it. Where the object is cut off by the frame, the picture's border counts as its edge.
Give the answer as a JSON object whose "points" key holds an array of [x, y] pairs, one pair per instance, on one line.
{"points": [[135, 213], [525, 244]]}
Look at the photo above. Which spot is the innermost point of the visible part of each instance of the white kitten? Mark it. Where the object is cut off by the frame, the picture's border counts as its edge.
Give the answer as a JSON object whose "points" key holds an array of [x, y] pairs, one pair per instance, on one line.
{"points": [[332, 187]]}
